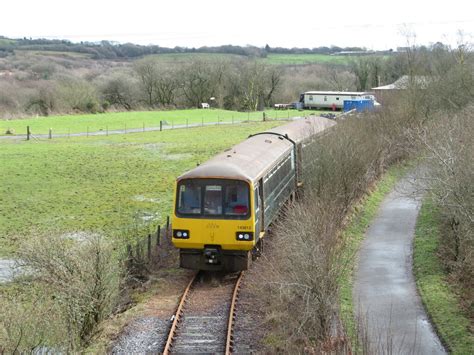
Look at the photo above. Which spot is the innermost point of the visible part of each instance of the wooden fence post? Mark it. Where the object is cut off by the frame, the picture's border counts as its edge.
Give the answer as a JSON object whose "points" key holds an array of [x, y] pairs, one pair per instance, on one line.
{"points": [[158, 236], [161, 126], [50, 135], [28, 133], [167, 225]]}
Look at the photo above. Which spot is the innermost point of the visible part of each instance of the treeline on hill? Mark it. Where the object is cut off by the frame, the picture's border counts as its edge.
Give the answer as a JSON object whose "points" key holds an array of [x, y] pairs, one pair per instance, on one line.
{"points": [[300, 278], [113, 50], [44, 83]]}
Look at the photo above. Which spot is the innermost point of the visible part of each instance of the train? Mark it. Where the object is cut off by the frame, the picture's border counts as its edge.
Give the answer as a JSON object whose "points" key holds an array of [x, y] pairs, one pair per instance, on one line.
{"points": [[331, 99], [224, 207]]}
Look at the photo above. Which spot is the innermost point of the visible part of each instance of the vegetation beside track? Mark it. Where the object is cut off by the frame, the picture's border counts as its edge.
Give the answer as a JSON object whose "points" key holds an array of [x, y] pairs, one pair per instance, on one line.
{"points": [[439, 295]]}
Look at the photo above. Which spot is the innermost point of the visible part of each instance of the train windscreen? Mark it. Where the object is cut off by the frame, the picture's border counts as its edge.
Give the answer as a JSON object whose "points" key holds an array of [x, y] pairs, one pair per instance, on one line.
{"points": [[213, 198]]}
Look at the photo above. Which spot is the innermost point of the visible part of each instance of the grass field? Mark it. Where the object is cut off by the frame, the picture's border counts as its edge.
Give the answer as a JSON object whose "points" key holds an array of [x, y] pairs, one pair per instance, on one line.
{"points": [[437, 294], [112, 184], [73, 55], [127, 120], [300, 59]]}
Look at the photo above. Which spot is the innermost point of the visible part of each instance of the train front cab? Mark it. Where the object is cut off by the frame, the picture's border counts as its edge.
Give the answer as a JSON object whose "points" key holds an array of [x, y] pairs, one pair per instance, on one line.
{"points": [[214, 223]]}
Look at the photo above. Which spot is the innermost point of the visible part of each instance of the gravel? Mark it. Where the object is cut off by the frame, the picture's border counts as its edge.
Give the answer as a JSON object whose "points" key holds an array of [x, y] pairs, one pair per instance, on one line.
{"points": [[143, 335]]}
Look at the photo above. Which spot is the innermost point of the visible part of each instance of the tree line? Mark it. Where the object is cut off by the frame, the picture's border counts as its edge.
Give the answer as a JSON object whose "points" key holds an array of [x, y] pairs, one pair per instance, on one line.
{"points": [[113, 50], [42, 84]]}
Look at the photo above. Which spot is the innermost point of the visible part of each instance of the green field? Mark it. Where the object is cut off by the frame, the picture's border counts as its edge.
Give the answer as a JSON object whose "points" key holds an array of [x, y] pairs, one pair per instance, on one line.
{"points": [[128, 120], [174, 58], [301, 59], [114, 184]]}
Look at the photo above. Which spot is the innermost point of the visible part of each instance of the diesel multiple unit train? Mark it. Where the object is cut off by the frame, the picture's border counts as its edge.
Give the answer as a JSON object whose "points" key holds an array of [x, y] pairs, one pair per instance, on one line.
{"points": [[223, 207]]}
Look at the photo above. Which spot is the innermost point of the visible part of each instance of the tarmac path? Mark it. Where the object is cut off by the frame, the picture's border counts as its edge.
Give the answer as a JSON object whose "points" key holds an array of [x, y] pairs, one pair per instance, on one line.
{"points": [[384, 291]]}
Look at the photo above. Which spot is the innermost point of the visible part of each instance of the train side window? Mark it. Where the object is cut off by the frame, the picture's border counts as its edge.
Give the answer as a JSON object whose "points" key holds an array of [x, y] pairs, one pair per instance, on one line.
{"points": [[236, 201], [213, 199], [189, 200]]}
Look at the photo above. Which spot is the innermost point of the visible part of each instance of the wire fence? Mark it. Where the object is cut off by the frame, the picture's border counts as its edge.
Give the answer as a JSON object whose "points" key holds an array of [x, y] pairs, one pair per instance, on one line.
{"points": [[163, 125], [150, 251]]}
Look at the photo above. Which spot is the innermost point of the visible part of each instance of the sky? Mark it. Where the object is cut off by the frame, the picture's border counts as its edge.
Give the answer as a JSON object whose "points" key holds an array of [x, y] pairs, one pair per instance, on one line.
{"points": [[301, 23]]}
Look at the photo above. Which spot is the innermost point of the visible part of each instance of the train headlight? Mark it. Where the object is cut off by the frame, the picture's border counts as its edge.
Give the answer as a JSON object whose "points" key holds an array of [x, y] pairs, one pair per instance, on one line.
{"points": [[244, 236], [180, 233]]}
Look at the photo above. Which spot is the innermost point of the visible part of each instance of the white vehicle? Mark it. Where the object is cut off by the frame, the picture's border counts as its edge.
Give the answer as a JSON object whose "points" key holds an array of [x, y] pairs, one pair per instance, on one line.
{"points": [[331, 99]]}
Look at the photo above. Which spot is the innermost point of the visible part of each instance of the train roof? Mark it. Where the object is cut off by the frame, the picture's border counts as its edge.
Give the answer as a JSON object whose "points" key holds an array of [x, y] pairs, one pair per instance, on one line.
{"points": [[351, 93], [250, 159]]}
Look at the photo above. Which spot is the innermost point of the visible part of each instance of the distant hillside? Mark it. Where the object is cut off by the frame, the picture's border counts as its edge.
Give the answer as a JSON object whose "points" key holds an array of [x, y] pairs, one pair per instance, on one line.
{"points": [[112, 50]]}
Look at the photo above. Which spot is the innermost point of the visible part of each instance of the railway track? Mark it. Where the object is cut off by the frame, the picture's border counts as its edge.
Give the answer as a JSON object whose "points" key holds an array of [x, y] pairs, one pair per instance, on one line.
{"points": [[203, 322]]}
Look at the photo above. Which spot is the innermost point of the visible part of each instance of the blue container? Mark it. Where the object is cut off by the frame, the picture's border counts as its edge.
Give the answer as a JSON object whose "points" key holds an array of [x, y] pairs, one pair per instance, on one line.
{"points": [[360, 105]]}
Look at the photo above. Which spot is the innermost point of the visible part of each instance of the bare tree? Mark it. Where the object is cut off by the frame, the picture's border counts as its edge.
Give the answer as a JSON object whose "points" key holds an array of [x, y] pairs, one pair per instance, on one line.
{"points": [[148, 75], [198, 82], [118, 90]]}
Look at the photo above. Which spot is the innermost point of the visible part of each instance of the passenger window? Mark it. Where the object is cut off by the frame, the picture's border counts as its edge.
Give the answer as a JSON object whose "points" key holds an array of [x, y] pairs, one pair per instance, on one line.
{"points": [[213, 199], [189, 199], [236, 202]]}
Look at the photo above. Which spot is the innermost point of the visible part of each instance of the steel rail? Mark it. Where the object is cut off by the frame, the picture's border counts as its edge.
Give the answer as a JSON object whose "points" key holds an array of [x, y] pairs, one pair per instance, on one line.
{"points": [[177, 317], [230, 325]]}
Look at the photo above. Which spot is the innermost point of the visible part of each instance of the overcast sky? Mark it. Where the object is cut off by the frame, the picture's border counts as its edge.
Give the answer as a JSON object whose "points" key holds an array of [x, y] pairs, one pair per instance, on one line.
{"points": [[301, 23]]}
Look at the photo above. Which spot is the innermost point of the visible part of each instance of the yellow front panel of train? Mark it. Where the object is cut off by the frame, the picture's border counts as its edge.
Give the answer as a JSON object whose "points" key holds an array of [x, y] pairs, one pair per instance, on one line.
{"points": [[233, 227], [224, 233]]}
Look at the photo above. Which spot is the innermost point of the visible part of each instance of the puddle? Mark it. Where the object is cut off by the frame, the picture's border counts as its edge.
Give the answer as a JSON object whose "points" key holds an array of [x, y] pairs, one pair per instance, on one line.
{"points": [[153, 147], [141, 198], [8, 270], [147, 217], [78, 236], [177, 156]]}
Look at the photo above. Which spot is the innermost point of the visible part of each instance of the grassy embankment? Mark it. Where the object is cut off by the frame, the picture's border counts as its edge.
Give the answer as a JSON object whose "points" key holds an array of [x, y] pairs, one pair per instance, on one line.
{"points": [[353, 236], [438, 295], [128, 120], [110, 184]]}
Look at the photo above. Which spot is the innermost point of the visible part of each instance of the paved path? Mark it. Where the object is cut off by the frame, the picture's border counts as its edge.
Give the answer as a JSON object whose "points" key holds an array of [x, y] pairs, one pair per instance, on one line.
{"points": [[384, 291]]}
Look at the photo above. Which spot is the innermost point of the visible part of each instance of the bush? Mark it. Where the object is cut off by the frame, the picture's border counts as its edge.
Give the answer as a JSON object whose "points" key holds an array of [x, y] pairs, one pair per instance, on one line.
{"points": [[83, 278], [447, 150]]}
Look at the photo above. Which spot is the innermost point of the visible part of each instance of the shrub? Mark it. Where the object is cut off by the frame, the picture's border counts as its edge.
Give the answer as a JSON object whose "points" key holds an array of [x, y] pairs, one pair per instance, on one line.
{"points": [[83, 277], [448, 176]]}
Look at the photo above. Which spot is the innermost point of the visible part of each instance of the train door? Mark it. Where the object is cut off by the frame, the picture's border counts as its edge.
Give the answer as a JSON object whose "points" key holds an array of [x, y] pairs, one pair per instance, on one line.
{"points": [[260, 208]]}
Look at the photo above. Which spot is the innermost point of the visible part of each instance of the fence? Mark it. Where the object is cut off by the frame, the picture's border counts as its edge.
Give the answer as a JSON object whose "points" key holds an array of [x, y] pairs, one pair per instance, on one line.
{"points": [[163, 125], [149, 251]]}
